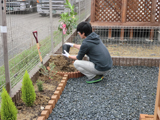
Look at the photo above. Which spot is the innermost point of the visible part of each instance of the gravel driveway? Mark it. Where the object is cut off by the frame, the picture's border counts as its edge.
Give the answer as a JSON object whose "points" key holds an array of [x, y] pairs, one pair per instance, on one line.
{"points": [[124, 93]]}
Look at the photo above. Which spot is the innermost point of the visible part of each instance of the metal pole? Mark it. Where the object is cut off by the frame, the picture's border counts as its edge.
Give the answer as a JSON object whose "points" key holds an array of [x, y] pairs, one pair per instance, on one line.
{"points": [[5, 48], [159, 35], [0, 14], [62, 40], [79, 11], [85, 7], [51, 22]]}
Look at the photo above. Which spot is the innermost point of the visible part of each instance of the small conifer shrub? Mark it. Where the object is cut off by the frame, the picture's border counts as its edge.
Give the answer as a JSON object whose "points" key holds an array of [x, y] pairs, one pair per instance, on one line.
{"points": [[8, 108], [40, 85], [28, 92]]}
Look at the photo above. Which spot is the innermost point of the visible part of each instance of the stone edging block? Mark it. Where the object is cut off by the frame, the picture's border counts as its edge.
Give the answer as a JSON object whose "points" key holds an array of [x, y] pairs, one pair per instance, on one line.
{"points": [[52, 102], [45, 113], [54, 98], [41, 118], [49, 108]]}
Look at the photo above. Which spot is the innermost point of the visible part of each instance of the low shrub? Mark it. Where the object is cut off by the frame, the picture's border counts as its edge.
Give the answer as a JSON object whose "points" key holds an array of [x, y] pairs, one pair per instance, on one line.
{"points": [[8, 108], [28, 92]]}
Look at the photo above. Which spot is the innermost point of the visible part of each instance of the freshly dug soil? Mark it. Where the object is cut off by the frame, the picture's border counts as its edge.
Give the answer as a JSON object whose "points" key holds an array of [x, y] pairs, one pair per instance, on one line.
{"points": [[61, 64], [49, 86]]}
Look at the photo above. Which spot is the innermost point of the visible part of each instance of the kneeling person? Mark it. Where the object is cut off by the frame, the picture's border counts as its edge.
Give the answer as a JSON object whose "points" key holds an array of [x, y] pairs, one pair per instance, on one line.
{"points": [[100, 60]]}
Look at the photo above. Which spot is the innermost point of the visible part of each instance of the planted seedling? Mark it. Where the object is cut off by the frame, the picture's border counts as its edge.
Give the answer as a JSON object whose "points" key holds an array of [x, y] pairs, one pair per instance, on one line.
{"points": [[49, 71], [40, 85]]}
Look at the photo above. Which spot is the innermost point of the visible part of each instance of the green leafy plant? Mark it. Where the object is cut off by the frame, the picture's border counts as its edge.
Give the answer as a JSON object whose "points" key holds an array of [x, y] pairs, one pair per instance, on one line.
{"points": [[28, 92], [48, 72], [68, 19], [40, 85], [8, 109]]}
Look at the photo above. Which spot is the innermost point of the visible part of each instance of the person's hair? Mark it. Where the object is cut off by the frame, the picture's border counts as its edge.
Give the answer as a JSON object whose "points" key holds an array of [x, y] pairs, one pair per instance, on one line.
{"points": [[84, 27]]}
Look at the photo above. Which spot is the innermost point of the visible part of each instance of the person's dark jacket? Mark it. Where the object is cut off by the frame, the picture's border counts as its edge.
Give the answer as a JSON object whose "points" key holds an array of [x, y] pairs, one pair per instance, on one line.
{"points": [[97, 52]]}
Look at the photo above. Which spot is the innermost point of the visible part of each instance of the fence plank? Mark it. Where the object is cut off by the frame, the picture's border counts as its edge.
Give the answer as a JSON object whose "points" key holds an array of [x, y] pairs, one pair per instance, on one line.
{"points": [[124, 11], [124, 24], [123, 16], [92, 10], [157, 102], [153, 11], [131, 33], [159, 17], [122, 34], [109, 33]]}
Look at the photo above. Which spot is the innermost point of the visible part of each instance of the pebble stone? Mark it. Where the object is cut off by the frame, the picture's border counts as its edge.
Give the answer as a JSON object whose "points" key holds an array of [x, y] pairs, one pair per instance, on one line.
{"points": [[124, 94]]}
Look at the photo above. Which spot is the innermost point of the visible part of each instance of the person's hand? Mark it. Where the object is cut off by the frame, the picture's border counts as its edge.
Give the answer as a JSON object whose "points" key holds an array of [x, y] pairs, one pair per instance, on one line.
{"points": [[66, 54], [70, 44]]}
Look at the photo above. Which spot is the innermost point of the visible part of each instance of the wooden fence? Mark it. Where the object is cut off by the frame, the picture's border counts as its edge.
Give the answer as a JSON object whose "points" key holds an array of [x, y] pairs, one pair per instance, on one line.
{"points": [[125, 13], [156, 115]]}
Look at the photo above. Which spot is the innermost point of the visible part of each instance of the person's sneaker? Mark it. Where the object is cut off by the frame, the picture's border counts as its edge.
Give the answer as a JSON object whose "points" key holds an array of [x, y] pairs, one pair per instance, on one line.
{"points": [[97, 78]]}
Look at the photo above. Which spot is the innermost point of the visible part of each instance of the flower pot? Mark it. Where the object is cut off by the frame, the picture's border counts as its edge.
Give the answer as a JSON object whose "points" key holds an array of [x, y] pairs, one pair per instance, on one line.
{"points": [[66, 47]]}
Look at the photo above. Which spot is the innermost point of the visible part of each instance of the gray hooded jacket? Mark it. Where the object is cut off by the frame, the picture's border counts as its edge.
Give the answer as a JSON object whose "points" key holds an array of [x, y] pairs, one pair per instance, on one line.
{"points": [[93, 47]]}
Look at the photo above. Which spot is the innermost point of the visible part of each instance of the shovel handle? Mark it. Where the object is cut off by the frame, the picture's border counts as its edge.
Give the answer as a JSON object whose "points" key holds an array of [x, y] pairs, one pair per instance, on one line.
{"points": [[35, 34]]}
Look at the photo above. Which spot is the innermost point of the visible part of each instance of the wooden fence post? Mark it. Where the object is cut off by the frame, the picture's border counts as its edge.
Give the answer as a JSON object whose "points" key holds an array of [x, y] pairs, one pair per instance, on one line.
{"points": [[109, 33], [157, 102], [92, 10], [131, 33], [153, 11], [159, 17], [123, 16], [5, 48]]}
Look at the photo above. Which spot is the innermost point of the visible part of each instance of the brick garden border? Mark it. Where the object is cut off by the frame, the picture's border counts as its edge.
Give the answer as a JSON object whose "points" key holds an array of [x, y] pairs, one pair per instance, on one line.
{"points": [[134, 61], [56, 96], [117, 61]]}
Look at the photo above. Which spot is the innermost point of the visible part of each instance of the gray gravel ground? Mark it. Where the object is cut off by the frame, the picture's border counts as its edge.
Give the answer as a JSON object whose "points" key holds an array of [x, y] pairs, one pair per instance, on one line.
{"points": [[124, 93]]}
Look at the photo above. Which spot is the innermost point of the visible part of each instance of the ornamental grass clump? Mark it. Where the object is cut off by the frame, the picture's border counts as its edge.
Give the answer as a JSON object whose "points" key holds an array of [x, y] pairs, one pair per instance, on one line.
{"points": [[28, 92], [40, 85], [8, 108]]}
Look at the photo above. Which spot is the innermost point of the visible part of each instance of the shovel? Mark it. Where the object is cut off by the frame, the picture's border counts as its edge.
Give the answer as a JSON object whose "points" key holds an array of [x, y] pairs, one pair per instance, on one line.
{"points": [[35, 34]]}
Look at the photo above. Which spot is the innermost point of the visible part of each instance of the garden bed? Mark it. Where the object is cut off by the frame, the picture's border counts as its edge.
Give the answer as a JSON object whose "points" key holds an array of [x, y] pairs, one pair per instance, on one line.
{"points": [[60, 62], [49, 86], [63, 65]]}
